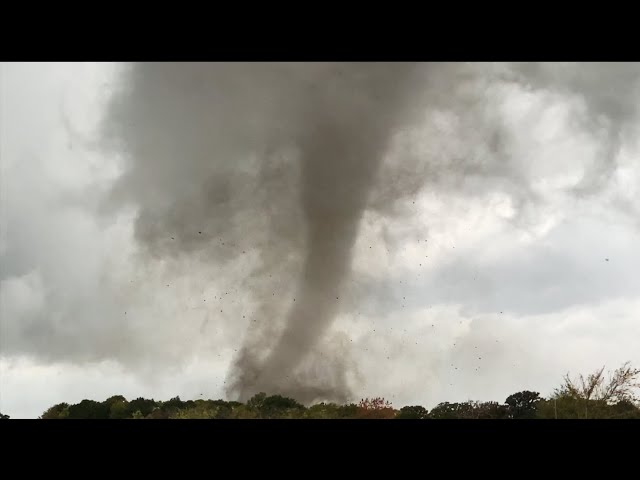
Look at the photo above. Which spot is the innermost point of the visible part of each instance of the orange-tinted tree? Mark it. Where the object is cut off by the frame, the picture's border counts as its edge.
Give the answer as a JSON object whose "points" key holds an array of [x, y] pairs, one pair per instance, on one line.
{"points": [[376, 407]]}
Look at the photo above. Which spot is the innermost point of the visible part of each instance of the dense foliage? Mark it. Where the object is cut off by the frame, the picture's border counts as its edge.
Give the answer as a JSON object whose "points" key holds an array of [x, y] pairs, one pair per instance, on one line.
{"points": [[593, 396]]}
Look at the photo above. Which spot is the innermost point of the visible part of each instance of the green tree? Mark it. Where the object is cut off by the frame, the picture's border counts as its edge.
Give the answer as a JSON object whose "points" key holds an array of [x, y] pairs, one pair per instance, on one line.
{"points": [[117, 406], [375, 408], [224, 409], [197, 412], [469, 410], [159, 414], [59, 411], [257, 400], [88, 409], [348, 411], [142, 405], [560, 406], [488, 411], [323, 411], [595, 391], [624, 409], [4, 417], [244, 412], [415, 412], [277, 406], [447, 411], [523, 404]]}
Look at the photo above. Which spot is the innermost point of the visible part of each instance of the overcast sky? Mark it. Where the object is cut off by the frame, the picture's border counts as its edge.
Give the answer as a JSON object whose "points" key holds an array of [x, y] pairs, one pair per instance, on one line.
{"points": [[512, 259]]}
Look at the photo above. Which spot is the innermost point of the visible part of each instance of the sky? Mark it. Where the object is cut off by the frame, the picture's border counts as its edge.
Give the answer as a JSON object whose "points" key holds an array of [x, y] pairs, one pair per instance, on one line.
{"points": [[495, 252]]}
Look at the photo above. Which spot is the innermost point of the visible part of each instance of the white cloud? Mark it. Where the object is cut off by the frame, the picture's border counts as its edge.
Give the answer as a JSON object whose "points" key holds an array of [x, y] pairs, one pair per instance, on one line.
{"points": [[29, 388], [443, 353]]}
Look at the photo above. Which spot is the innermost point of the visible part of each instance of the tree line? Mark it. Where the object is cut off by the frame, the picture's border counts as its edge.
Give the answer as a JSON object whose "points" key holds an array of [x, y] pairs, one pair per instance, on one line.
{"points": [[595, 396]]}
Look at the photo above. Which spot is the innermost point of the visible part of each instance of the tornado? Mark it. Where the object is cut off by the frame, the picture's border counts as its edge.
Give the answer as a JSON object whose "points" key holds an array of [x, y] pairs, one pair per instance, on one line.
{"points": [[193, 135]]}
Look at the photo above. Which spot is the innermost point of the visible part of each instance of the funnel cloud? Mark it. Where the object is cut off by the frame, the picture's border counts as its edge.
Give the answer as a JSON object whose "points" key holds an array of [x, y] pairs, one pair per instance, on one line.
{"points": [[294, 148]]}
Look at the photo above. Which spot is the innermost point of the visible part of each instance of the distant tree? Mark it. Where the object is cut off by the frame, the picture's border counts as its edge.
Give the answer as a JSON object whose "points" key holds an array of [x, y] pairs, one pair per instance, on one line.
{"points": [[244, 412], [119, 410], [375, 408], [624, 409], [159, 414], [595, 390], [489, 411], [174, 402], [4, 417], [349, 410], [523, 404], [469, 410], [197, 412], [277, 406], [223, 409], [144, 406], [560, 406], [118, 407], [57, 412], [257, 400], [89, 409], [322, 411], [414, 412], [278, 402], [446, 411], [331, 411]]}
